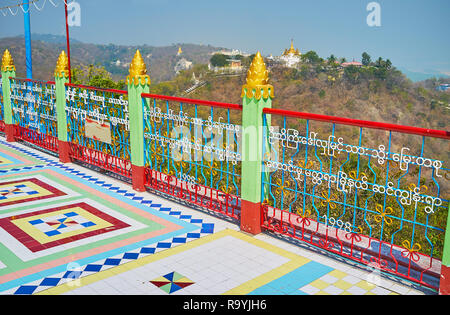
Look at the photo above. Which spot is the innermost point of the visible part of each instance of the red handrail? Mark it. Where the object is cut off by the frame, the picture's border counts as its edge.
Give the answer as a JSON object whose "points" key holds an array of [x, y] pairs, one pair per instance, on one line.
{"points": [[361, 123], [192, 101], [31, 80], [96, 88]]}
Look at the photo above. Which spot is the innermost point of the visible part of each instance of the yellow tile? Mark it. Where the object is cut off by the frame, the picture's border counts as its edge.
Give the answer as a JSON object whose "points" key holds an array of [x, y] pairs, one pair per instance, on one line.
{"points": [[338, 274], [341, 284], [320, 284], [366, 285], [345, 293], [322, 293], [369, 293]]}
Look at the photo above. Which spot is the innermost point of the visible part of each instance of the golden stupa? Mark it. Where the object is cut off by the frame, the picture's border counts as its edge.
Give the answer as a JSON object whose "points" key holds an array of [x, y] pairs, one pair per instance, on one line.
{"points": [[62, 65], [138, 71], [7, 62], [291, 51], [257, 80]]}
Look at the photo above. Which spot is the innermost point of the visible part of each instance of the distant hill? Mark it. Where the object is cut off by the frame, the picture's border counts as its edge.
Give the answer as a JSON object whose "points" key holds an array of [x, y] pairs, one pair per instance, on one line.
{"points": [[422, 76], [115, 58]]}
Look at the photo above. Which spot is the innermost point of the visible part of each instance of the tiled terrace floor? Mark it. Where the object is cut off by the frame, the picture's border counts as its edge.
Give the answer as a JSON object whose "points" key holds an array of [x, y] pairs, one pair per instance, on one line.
{"points": [[65, 229]]}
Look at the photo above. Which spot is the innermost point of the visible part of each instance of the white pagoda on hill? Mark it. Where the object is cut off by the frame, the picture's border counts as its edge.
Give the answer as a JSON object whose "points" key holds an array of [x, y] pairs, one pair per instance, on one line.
{"points": [[291, 57]]}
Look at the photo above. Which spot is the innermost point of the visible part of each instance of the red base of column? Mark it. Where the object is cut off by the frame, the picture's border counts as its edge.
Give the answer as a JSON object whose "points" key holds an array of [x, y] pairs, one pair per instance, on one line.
{"points": [[64, 152], [444, 287], [251, 217], [138, 178], [10, 131]]}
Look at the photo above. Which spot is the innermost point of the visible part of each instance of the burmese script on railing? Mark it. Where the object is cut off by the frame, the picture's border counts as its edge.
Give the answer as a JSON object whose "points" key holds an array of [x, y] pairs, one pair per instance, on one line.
{"points": [[302, 171], [187, 134], [291, 138], [33, 103], [101, 113]]}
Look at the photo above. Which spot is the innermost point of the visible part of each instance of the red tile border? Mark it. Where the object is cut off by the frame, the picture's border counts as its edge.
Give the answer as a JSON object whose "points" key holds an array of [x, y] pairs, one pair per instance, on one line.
{"points": [[34, 246], [55, 192]]}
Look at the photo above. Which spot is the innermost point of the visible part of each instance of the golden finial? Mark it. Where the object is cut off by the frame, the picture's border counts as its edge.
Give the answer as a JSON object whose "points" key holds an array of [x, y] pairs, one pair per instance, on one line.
{"points": [[180, 51], [62, 66], [7, 62], [257, 80], [138, 71]]}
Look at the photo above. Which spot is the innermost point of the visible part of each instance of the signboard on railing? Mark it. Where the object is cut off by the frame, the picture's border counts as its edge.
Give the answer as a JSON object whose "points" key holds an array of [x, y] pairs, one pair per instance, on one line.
{"points": [[98, 131]]}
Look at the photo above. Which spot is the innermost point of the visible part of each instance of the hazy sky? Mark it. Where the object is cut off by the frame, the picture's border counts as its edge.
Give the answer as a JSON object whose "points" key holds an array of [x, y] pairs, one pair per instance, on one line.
{"points": [[414, 34]]}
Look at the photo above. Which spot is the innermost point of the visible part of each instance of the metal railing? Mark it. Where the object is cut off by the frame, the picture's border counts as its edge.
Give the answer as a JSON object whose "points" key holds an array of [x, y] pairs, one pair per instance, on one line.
{"points": [[192, 149], [372, 192], [34, 112], [98, 127]]}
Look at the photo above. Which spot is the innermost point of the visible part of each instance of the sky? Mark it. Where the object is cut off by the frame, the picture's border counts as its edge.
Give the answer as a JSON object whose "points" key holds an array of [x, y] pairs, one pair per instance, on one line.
{"points": [[414, 34]]}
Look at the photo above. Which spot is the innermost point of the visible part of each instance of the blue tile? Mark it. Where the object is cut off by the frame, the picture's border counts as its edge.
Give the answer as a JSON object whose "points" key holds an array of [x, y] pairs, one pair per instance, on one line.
{"points": [[112, 262], [26, 289], [52, 233], [163, 245], [50, 282], [293, 281], [147, 250], [93, 268], [34, 222], [131, 256]]}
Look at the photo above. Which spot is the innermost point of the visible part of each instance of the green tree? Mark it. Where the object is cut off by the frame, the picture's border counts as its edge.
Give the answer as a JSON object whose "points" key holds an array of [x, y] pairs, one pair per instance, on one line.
{"points": [[311, 57], [219, 60], [332, 59], [366, 60]]}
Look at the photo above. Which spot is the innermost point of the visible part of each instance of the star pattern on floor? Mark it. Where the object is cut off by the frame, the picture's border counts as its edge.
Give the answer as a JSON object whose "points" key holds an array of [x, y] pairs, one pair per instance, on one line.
{"points": [[172, 282]]}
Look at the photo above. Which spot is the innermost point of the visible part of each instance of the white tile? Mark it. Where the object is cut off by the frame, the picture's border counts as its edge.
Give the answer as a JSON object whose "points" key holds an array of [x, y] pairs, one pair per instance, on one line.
{"points": [[333, 290], [309, 289], [356, 290]]}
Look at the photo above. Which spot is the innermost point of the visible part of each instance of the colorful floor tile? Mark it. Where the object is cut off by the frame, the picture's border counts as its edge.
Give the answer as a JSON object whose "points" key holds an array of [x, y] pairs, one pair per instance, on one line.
{"points": [[68, 230], [53, 216], [12, 158], [172, 282]]}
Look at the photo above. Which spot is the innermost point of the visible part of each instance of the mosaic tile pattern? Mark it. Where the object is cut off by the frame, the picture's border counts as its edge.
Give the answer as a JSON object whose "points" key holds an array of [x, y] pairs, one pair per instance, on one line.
{"points": [[61, 225], [27, 190], [172, 282], [341, 283], [207, 260]]}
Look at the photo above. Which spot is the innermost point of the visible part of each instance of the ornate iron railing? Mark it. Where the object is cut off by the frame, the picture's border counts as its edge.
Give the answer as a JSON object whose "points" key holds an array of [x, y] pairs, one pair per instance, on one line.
{"points": [[98, 127], [192, 150], [375, 193], [34, 112]]}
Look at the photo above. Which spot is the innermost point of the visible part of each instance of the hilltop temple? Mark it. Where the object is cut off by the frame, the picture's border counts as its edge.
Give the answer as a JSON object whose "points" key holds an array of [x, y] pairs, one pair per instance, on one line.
{"points": [[291, 57]]}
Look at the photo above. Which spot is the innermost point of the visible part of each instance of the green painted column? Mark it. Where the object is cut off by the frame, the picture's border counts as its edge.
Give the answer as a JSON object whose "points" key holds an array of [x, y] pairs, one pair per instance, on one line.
{"points": [[61, 78], [257, 94], [8, 70], [445, 270], [138, 82]]}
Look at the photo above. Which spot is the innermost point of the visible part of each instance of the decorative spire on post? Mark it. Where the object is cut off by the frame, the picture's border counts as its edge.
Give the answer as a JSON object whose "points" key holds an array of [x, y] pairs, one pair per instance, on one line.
{"points": [[7, 62], [138, 82], [257, 80], [8, 70], [62, 66], [62, 73], [138, 71], [257, 94]]}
